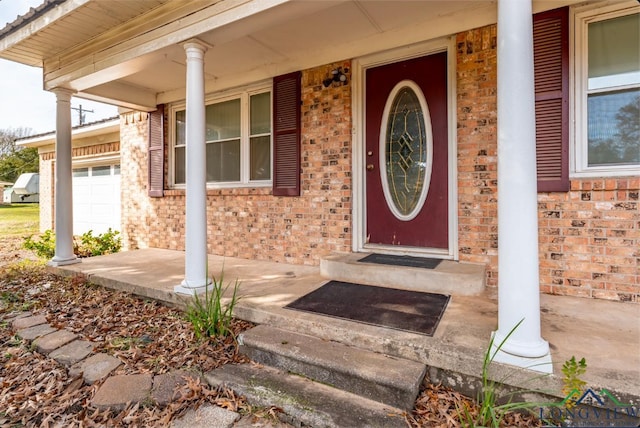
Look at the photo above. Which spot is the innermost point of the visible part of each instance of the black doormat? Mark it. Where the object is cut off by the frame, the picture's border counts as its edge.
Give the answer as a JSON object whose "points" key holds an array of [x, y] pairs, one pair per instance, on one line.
{"points": [[410, 311], [388, 259]]}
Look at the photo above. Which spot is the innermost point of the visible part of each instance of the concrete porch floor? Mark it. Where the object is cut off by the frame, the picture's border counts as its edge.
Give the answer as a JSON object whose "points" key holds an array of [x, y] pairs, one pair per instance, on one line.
{"points": [[606, 334]]}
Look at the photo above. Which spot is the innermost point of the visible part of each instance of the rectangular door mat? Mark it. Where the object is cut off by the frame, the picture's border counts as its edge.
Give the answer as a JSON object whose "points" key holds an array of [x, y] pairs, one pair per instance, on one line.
{"points": [[409, 261], [410, 311]]}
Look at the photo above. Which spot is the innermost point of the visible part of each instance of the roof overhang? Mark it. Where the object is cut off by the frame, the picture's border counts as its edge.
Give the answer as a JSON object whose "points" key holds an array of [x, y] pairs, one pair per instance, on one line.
{"points": [[133, 56], [107, 129]]}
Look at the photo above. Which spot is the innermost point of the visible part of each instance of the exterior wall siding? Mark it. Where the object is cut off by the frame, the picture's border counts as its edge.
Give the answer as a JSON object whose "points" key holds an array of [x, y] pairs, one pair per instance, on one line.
{"points": [[251, 222], [589, 237]]}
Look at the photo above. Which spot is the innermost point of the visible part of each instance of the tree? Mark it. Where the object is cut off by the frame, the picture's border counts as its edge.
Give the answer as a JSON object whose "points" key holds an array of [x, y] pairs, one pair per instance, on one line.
{"points": [[628, 121], [16, 160]]}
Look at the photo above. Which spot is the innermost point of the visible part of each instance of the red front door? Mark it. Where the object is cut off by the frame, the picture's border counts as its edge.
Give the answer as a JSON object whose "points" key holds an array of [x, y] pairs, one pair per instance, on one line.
{"points": [[406, 153]]}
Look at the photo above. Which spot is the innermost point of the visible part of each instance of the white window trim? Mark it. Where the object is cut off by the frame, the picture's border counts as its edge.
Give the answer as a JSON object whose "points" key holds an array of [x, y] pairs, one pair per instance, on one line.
{"points": [[244, 95], [580, 19]]}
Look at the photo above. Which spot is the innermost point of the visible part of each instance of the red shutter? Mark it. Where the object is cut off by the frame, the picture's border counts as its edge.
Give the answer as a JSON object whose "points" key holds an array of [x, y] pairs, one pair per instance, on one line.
{"points": [[551, 63], [156, 153], [286, 135]]}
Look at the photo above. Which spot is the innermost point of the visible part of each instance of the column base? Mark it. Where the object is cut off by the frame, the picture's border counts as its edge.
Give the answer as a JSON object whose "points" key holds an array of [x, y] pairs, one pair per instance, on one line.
{"points": [[539, 364], [55, 262], [191, 288]]}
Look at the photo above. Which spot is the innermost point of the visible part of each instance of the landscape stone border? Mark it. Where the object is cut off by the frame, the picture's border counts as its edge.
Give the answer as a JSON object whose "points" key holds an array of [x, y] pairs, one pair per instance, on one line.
{"points": [[117, 391]]}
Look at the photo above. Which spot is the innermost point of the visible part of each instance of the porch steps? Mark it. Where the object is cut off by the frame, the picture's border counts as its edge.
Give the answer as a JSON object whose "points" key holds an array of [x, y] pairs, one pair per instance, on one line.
{"points": [[323, 383], [389, 380], [304, 403], [449, 277]]}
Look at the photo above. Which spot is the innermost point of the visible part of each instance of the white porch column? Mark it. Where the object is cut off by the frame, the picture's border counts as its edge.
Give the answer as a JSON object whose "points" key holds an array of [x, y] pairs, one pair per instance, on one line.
{"points": [[63, 191], [196, 274], [518, 276]]}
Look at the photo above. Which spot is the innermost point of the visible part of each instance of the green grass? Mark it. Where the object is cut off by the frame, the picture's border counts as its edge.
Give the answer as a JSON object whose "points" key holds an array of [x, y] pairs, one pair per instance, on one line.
{"points": [[17, 220]]}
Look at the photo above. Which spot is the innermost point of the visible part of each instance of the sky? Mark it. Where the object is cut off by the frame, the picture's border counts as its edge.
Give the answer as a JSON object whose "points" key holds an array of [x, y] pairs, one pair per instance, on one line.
{"points": [[23, 102]]}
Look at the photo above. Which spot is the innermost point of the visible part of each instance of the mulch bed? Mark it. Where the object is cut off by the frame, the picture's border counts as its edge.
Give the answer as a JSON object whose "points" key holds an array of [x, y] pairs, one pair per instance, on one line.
{"points": [[145, 335]]}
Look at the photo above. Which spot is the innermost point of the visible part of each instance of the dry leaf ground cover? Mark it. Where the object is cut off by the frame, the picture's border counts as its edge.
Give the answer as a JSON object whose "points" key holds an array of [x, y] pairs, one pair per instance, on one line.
{"points": [[147, 337]]}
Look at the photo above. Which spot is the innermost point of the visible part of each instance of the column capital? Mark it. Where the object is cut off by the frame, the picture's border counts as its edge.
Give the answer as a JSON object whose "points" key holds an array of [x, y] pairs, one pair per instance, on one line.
{"points": [[196, 44], [63, 93]]}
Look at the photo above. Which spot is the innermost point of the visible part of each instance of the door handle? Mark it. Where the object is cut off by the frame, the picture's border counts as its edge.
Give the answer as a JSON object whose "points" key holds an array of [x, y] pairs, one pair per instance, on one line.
{"points": [[370, 167]]}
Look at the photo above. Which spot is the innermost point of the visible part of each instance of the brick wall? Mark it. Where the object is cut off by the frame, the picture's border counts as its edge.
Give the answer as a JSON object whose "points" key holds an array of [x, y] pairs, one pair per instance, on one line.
{"points": [[250, 222], [477, 149], [47, 177], [137, 210], [589, 237], [590, 240]]}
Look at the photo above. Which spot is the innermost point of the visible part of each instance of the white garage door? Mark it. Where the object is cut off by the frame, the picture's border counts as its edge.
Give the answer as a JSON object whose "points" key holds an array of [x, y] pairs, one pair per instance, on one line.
{"points": [[96, 199]]}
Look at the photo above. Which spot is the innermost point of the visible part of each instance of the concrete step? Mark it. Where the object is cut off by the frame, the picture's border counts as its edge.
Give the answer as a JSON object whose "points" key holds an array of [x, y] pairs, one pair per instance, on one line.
{"points": [[449, 277], [304, 402], [389, 380]]}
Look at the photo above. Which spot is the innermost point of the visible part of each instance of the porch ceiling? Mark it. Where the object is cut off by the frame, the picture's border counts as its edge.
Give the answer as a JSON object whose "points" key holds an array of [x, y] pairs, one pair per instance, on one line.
{"points": [[129, 53]]}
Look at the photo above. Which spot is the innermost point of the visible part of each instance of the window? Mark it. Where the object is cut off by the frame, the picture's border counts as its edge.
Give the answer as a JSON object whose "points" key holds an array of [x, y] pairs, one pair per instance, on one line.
{"points": [[607, 92], [81, 172], [101, 170], [238, 141]]}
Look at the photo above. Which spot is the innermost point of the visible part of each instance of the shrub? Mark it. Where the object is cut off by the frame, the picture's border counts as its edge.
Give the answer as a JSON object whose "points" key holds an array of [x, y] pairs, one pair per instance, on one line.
{"points": [[90, 245], [86, 245], [209, 317], [44, 247]]}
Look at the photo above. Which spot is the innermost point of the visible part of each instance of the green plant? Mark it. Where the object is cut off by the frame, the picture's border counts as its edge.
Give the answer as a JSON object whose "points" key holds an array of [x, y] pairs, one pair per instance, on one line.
{"points": [[208, 315], [86, 245], [44, 247], [106, 243], [489, 413], [572, 371]]}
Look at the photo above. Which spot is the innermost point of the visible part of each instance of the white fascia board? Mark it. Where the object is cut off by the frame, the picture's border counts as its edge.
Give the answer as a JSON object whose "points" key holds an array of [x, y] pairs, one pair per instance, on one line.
{"points": [[102, 128]]}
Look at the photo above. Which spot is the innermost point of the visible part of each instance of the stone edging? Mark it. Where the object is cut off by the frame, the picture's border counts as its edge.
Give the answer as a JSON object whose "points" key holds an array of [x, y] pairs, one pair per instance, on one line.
{"points": [[117, 391]]}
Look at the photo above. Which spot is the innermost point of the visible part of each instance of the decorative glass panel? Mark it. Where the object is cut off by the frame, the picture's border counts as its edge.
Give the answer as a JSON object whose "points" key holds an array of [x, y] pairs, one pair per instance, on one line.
{"points": [[260, 154], [116, 170], [223, 161], [407, 150]]}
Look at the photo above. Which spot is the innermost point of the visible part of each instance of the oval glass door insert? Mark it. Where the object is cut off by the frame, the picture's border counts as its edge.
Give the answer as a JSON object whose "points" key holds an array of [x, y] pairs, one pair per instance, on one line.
{"points": [[406, 150]]}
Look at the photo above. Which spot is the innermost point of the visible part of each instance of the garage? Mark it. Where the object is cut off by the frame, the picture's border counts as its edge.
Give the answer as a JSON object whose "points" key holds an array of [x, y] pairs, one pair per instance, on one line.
{"points": [[96, 198]]}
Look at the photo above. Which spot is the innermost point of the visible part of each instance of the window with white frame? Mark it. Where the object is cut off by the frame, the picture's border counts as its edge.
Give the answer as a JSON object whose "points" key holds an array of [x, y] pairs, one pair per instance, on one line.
{"points": [[238, 140], [607, 91]]}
